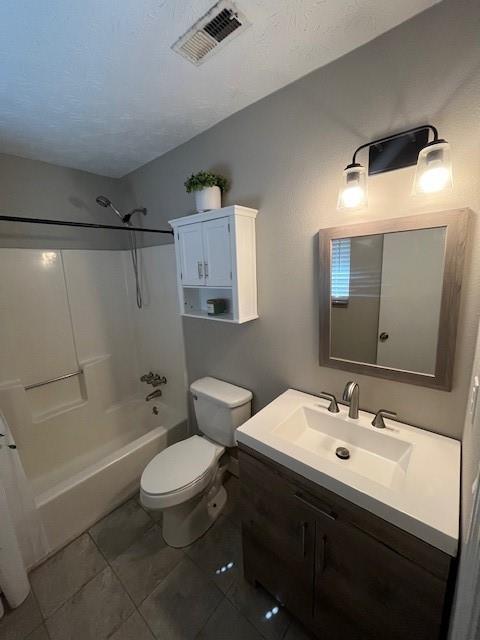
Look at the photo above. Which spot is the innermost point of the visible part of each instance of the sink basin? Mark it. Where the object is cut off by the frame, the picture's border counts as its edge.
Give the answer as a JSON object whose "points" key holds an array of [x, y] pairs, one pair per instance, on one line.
{"points": [[410, 477], [373, 453]]}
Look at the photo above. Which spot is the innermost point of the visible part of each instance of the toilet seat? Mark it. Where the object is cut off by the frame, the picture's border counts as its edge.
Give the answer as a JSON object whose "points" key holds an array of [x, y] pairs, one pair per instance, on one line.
{"points": [[179, 472]]}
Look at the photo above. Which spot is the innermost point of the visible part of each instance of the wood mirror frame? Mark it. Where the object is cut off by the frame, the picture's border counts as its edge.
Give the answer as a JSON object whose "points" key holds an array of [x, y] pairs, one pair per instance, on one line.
{"points": [[455, 222]]}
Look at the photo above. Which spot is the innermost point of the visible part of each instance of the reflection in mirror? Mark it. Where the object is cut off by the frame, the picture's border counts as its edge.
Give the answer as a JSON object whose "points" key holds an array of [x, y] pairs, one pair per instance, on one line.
{"points": [[386, 292]]}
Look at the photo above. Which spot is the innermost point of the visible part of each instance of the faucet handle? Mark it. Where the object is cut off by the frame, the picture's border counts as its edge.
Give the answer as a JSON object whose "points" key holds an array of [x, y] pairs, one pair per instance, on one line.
{"points": [[157, 380], [333, 406], [147, 377], [378, 419]]}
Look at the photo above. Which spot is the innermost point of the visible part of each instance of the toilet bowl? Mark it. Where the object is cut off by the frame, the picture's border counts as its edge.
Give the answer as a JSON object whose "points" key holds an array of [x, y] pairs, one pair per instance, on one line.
{"points": [[185, 480]]}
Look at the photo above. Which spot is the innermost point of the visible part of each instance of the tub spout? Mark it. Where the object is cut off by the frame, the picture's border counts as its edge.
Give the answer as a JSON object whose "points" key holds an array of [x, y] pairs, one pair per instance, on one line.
{"points": [[155, 394]]}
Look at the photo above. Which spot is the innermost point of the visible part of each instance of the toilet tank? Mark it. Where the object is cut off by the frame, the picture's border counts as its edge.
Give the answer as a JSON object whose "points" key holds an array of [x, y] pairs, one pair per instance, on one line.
{"points": [[220, 408]]}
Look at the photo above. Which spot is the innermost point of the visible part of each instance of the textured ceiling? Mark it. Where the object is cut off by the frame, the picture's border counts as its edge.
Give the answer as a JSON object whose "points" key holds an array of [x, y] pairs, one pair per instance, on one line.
{"points": [[94, 85]]}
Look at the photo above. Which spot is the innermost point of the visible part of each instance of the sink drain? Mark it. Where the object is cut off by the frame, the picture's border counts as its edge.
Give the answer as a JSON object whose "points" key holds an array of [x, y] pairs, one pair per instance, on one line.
{"points": [[343, 453]]}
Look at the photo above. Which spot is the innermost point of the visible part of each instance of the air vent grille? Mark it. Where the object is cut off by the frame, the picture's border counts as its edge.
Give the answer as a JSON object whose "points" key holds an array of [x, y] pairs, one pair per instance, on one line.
{"points": [[222, 25], [197, 47], [211, 32]]}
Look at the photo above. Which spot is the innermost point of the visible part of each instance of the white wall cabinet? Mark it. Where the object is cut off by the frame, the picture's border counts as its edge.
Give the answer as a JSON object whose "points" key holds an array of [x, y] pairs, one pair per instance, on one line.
{"points": [[216, 258]]}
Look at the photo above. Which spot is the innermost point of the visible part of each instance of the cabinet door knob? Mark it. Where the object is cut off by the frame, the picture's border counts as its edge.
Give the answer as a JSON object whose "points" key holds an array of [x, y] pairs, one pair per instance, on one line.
{"points": [[383, 337], [206, 269], [200, 269]]}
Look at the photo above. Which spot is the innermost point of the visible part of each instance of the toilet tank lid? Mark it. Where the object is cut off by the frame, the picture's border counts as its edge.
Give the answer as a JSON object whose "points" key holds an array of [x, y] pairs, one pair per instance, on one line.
{"points": [[221, 392]]}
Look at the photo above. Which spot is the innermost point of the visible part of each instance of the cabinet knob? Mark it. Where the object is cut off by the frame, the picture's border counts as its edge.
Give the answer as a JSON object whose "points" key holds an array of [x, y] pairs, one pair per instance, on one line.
{"points": [[200, 269]]}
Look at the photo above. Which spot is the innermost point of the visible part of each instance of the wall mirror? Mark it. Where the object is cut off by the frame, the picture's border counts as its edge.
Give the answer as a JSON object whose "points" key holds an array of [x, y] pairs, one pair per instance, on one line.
{"points": [[389, 297]]}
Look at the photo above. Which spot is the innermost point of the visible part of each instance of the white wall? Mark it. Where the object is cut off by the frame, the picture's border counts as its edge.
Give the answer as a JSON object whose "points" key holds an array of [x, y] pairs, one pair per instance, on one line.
{"points": [[158, 326]]}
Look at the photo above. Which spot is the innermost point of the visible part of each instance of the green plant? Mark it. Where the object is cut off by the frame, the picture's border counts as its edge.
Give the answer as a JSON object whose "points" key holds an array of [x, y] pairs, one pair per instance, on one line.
{"points": [[205, 179]]}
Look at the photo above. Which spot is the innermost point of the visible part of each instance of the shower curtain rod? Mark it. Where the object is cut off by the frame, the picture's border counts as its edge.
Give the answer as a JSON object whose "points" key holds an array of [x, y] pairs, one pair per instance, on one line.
{"points": [[88, 225]]}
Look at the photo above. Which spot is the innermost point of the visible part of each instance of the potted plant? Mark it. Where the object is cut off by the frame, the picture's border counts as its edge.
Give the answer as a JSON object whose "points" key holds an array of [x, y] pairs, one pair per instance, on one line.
{"points": [[208, 188]]}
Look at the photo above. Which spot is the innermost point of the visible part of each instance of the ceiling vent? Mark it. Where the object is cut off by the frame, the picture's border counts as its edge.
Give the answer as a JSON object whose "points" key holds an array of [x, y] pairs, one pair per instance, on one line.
{"points": [[217, 27]]}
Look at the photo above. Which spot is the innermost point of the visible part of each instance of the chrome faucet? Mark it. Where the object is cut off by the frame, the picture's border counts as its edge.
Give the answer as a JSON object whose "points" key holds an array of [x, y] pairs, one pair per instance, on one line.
{"points": [[154, 394], [351, 395]]}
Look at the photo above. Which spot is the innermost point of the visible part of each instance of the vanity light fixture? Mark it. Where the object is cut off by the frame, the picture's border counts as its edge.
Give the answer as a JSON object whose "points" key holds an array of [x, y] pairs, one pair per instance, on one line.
{"points": [[404, 149]]}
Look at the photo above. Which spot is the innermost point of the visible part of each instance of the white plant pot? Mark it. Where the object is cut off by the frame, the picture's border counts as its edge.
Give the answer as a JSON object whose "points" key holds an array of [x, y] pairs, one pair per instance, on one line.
{"points": [[207, 199]]}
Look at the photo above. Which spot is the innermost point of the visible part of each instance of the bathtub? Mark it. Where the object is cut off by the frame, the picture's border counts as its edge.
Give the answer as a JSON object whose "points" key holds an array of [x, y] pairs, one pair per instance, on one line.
{"points": [[73, 497]]}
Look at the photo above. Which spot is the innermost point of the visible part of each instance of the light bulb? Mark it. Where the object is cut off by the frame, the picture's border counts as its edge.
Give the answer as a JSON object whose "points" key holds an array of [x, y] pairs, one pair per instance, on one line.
{"points": [[353, 192], [434, 179], [352, 196], [434, 169]]}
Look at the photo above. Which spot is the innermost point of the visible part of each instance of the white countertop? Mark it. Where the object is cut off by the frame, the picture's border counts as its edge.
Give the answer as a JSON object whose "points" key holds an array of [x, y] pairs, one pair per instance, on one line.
{"points": [[421, 497]]}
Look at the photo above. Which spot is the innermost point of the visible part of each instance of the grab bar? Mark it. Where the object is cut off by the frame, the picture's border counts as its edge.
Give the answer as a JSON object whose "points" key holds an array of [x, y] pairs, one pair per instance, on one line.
{"points": [[41, 384]]}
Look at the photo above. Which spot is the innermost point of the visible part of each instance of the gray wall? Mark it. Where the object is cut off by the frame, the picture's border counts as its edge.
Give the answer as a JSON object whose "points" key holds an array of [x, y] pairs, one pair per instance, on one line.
{"points": [[41, 190], [285, 155]]}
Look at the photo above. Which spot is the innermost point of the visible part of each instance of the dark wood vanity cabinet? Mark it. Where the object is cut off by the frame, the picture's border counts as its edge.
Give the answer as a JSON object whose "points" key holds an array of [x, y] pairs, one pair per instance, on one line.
{"points": [[345, 573]]}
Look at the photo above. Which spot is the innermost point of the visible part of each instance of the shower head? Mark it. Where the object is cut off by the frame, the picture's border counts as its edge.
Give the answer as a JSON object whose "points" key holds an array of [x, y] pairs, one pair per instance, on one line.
{"points": [[103, 201]]}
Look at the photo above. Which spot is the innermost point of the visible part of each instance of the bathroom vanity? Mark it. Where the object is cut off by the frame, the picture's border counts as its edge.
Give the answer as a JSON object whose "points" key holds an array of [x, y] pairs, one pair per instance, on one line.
{"points": [[356, 549]]}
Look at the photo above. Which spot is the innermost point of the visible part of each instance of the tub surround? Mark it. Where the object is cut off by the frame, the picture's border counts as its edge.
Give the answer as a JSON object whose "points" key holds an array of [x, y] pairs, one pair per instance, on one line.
{"points": [[85, 440]]}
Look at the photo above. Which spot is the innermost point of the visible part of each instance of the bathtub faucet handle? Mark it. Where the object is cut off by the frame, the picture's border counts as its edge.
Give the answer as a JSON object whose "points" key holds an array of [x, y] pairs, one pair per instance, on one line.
{"points": [[158, 380], [154, 379]]}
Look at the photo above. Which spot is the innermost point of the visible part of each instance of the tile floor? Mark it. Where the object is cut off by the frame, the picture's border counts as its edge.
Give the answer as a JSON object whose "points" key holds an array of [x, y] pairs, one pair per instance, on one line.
{"points": [[121, 581]]}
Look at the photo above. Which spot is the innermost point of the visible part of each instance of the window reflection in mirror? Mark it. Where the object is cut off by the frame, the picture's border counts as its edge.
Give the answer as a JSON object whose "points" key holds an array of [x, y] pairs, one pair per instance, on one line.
{"points": [[386, 294]]}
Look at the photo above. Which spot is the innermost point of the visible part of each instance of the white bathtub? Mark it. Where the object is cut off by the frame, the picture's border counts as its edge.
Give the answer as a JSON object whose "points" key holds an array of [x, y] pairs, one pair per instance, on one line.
{"points": [[75, 496]]}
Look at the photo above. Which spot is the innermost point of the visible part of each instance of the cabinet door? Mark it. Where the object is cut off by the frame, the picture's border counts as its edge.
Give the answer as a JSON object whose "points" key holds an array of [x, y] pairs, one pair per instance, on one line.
{"points": [[218, 255], [366, 591], [190, 240], [278, 536]]}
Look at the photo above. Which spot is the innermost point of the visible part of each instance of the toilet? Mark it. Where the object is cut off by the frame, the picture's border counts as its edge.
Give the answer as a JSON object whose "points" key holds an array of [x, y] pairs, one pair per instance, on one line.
{"points": [[185, 480]]}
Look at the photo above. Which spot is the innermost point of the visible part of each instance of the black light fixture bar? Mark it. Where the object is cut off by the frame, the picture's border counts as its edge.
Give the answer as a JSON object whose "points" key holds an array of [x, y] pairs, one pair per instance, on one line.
{"points": [[83, 225], [396, 151]]}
